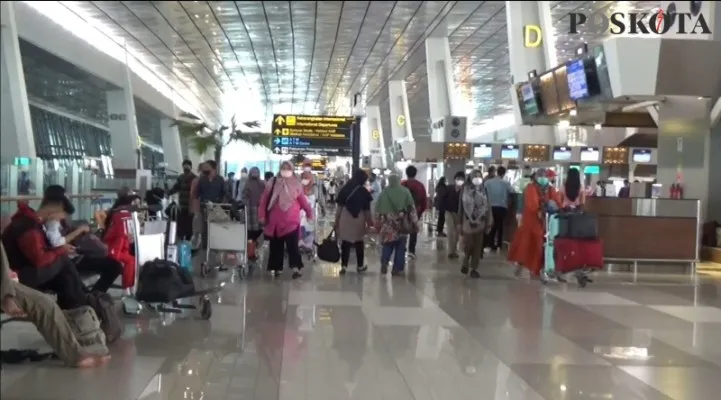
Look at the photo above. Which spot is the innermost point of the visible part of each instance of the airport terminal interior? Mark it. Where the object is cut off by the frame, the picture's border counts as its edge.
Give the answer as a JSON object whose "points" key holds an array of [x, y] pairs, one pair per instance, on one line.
{"points": [[606, 113]]}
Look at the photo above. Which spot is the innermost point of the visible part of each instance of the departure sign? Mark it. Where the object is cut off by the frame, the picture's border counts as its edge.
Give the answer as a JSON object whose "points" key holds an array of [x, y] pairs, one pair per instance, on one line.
{"points": [[312, 134]]}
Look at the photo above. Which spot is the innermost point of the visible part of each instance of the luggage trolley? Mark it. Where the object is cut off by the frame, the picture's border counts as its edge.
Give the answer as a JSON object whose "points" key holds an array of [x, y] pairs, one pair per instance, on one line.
{"points": [[148, 247], [550, 255], [227, 233]]}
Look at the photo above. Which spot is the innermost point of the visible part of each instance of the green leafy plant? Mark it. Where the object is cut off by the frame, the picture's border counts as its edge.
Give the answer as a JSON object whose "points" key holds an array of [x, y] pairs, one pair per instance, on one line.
{"points": [[202, 138]]}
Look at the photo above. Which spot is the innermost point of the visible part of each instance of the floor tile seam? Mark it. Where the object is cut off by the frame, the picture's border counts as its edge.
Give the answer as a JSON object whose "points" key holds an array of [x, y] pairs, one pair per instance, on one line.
{"points": [[395, 363], [477, 342]]}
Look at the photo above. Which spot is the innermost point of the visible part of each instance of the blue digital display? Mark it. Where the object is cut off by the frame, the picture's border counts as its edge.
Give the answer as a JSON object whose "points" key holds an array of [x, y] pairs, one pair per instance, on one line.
{"points": [[577, 83]]}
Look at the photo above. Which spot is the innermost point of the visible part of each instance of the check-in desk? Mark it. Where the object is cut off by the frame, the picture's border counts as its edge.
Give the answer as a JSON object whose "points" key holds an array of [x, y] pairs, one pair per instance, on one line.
{"points": [[644, 230]]}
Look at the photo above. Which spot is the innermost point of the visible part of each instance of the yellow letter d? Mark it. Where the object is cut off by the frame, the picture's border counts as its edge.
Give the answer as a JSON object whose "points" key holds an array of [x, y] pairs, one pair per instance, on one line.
{"points": [[529, 41]]}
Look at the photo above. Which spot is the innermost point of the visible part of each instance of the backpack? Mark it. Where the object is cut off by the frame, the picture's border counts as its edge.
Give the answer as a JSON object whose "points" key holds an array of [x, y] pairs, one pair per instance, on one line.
{"points": [[86, 326], [104, 308], [162, 281]]}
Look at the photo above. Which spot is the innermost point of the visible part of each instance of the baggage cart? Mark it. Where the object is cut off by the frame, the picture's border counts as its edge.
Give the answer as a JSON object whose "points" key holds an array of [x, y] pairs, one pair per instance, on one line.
{"points": [[227, 233], [549, 272], [151, 245]]}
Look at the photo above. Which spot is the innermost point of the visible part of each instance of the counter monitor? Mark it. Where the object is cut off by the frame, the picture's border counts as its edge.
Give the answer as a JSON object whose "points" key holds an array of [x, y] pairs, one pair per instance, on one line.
{"points": [[561, 153], [482, 151], [510, 152], [577, 81], [590, 154], [641, 155]]}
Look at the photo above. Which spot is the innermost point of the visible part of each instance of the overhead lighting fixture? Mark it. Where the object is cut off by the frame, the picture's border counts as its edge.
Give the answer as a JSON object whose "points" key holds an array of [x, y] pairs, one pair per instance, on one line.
{"points": [[573, 113], [597, 127], [563, 124]]}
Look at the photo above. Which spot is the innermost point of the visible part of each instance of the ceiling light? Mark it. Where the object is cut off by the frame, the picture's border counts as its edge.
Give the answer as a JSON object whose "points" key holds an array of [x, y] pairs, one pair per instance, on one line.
{"points": [[563, 124], [573, 113], [597, 127], [197, 16]]}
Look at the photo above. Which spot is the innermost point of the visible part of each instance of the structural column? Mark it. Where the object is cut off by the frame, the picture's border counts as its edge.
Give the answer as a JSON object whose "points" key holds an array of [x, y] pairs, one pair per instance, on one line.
{"points": [[534, 17], [400, 116], [439, 67], [172, 149], [683, 155], [17, 131], [374, 137]]}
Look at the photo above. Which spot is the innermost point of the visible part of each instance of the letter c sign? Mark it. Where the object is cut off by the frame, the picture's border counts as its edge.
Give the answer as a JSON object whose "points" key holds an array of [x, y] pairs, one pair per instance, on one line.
{"points": [[532, 36]]}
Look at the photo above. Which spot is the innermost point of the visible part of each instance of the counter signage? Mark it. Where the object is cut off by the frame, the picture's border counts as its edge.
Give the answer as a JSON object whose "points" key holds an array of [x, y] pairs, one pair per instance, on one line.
{"points": [[510, 152], [561, 153], [590, 154], [312, 134], [482, 151], [564, 97]]}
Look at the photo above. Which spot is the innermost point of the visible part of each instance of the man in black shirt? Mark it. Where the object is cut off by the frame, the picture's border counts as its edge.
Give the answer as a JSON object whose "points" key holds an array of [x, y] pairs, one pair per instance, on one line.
{"points": [[182, 188]]}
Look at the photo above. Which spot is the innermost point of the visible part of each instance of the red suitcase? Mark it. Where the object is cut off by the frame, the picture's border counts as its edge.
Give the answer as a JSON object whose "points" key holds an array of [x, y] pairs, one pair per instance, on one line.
{"points": [[573, 254]]}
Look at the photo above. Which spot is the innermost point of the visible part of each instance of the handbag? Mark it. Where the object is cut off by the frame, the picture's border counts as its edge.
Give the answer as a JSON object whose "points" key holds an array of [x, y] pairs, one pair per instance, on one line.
{"points": [[328, 250]]}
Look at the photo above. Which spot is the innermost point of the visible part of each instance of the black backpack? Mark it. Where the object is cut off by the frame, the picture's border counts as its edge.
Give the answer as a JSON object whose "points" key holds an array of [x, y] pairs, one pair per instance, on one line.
{"points": [[162, 281]]}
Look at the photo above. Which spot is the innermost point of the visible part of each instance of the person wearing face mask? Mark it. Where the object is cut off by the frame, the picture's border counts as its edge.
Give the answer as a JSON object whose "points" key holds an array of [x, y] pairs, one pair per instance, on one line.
{"points": [[252, 192], [476, 219], [320, 198], [279, 210], [182, 189], [450, 207], [230, 187], [441, 189], [526, 248], [352, 218], [499, 192], [239, 186], [211, 189]]}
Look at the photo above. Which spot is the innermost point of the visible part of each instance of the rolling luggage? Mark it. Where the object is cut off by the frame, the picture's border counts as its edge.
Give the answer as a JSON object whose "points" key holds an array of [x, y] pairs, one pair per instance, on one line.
{"points": [[549, 261], [577, 225], [575, 254]]}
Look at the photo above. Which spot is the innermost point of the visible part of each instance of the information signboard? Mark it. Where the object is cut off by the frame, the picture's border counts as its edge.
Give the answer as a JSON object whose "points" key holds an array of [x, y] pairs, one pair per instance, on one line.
{"points": [[312, 134]]}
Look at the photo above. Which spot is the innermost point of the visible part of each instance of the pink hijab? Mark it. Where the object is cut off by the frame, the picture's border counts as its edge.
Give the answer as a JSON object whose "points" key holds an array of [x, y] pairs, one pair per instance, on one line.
{"points": [[285, 190]]}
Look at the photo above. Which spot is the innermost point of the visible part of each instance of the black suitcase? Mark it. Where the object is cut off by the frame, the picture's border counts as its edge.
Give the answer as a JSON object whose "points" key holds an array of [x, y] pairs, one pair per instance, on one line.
{"points": [[577, 225]]}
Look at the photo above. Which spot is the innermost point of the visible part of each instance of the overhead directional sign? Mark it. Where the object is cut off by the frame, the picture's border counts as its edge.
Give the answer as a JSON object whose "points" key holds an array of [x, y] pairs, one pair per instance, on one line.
{"points": [[312, 134]]}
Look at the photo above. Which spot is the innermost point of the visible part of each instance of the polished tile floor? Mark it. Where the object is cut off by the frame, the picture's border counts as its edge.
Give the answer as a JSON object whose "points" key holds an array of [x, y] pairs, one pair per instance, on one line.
{"points": [[431, 335]]}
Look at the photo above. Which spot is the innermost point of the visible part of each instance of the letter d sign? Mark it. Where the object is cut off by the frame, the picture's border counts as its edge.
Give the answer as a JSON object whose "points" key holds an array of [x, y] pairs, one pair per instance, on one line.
{"points": [[532, 36]]}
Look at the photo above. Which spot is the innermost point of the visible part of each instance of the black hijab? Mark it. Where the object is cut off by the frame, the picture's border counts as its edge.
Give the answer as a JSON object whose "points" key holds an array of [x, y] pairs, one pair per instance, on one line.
{"points": [[354, 196]]}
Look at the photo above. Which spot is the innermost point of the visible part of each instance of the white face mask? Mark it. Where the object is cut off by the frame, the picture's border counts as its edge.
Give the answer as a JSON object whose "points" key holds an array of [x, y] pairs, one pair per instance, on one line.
{"points": [[244, 175], [306, 169], [477, 181], [459, 182], [286, 174], [305, 182]]}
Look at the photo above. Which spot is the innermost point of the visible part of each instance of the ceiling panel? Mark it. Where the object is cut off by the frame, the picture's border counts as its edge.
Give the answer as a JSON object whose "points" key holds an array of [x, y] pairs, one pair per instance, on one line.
{"points": [[253, 57]]}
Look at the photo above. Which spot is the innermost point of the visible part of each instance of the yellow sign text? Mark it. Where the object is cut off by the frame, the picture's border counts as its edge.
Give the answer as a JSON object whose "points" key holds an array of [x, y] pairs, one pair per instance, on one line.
{"points": [[532, 36]]}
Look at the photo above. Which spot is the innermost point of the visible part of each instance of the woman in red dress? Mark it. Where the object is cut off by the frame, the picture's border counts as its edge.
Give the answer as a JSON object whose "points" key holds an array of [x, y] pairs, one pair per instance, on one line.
{"points": [[117, 236], [527, 245]]}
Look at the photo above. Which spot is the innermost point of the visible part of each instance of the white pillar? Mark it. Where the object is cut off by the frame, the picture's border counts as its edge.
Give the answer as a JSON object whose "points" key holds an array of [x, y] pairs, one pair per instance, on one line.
{"points": [[172, 151], [376, 142], [519, 15], [16, 127], [400, 116], [440, 79], [439, 66]]}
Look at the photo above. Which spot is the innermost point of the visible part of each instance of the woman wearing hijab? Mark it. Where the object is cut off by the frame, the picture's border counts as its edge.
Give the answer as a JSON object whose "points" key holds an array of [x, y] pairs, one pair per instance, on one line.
{"points": [[394, 204], [527, 245], [252, 191], [476, 221], [279, 210], [352, 217]]}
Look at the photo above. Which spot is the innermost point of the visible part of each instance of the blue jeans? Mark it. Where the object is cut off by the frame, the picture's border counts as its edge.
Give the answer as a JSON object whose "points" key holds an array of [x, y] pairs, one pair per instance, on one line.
{"points": [[397, 246]]}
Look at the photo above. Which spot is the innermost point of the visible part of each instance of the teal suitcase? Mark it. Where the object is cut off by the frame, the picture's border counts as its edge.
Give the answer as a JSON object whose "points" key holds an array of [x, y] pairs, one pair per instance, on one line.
{"points": [[549, 261]]}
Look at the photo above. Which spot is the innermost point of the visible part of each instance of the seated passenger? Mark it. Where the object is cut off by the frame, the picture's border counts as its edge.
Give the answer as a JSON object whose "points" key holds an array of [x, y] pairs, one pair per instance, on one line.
{"points": [[527, 245], [116, 237], [54, 228], [20, 301], [37, 265]]}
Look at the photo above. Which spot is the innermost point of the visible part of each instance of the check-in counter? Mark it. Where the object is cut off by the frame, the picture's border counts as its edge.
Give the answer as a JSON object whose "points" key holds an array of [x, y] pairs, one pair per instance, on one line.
{"points": [[643, 230]]}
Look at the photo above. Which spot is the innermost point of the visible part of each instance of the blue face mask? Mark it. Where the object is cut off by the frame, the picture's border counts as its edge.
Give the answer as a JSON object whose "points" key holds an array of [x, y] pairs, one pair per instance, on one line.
{"points": [[543, 181]]}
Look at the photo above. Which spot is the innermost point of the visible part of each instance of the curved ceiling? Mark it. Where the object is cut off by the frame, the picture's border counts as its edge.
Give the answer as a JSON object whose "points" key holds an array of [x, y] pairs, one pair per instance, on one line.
{"points": [[252, 58]]}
